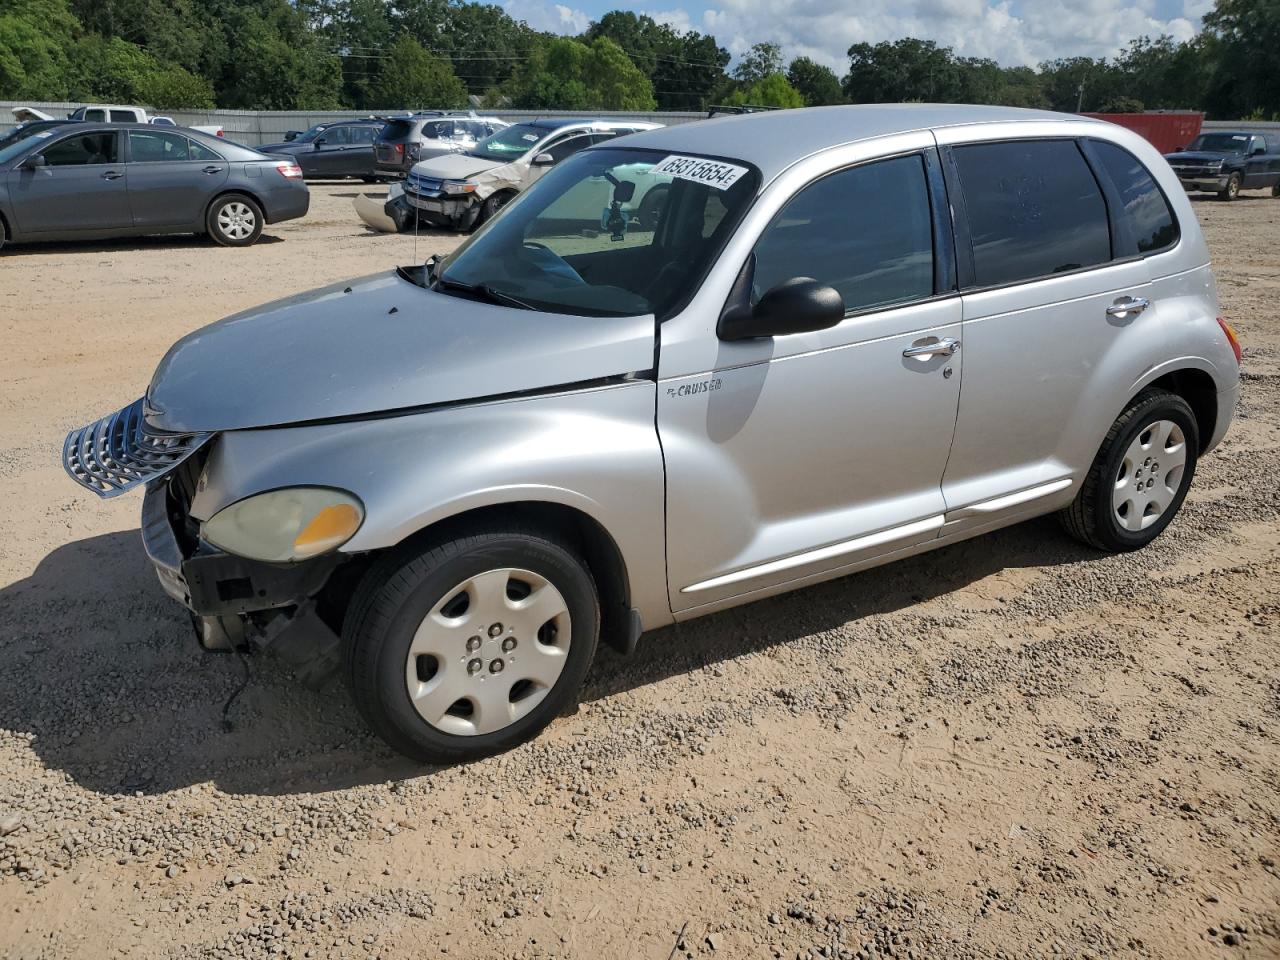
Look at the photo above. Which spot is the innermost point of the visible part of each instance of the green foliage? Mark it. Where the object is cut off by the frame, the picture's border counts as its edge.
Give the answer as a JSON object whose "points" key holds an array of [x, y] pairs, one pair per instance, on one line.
{"points": [[411, 77], [772, 90], [761, 61], [370, 54], [568, 74], [818, 85], [685, 69]]}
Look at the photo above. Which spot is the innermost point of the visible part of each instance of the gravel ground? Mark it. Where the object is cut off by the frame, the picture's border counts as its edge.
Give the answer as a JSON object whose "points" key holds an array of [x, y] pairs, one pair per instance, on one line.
{"points": [[1012, 747]]}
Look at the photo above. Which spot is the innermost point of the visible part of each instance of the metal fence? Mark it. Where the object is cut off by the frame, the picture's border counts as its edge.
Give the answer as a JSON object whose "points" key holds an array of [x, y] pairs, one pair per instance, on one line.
{"points": [[255, 127]]}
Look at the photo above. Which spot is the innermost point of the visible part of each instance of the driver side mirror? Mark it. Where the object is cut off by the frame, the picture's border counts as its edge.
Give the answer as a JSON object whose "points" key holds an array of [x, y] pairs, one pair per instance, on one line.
{"points": [[35, 162], [798, 305], [543, 160]]}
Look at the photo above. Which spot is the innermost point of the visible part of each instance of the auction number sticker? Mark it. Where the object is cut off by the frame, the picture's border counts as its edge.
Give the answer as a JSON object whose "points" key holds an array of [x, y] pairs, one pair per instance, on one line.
{"points": [[713, 173]]}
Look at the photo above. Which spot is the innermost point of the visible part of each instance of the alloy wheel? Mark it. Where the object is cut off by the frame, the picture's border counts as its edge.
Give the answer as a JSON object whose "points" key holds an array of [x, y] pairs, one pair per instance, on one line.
{"points": [[236, 220], [1149, 475], [488, 652]]}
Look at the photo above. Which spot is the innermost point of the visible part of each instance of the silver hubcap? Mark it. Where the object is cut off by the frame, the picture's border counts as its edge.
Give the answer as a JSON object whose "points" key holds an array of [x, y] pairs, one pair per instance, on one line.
{"points": [[236, 220], [489, 652], [1149, 475]]}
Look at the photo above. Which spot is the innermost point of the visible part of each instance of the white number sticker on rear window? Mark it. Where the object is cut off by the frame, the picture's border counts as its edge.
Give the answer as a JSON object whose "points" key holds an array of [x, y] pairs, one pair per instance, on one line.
{"points": [[713, 173]]}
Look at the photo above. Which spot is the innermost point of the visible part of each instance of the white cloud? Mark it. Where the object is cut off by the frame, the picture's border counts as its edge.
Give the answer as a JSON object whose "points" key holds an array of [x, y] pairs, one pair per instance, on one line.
{"points": [[549, 17], [1013, 32]]}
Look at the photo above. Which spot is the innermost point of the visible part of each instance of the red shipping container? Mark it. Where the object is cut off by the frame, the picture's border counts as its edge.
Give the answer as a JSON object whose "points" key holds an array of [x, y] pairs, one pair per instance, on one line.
{"points": [[1168, 131]]}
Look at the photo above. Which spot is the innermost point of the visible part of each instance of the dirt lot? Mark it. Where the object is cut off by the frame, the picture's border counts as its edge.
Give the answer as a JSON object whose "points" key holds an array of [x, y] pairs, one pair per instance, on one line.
{"points": [[1013, 747]]}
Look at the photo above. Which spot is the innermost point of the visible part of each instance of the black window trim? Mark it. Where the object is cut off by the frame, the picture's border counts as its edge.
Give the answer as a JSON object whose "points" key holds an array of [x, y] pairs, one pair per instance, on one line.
{"points": [[120, 148], [964, 240], [1120, 225], [945, 285]]}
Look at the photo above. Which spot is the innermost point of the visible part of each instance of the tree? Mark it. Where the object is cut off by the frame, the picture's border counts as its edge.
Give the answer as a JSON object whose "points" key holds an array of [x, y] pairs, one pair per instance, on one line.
{"points": [[1164, 73], [762, 60], [1244, 51], [568, 74], [904, 70], [173, 88], [685, 69], [770, 91], [412, 78], [483, 43], [35, 38], [817, 84]]}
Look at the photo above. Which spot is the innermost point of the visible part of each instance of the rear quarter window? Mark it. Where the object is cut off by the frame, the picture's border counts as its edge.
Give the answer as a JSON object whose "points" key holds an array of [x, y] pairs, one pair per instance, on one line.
{"points": [[1034, 210], [1144, 207]]}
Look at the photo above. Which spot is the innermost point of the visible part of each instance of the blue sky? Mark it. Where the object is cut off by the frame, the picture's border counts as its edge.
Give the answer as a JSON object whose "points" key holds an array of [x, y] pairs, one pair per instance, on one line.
{"points": [[1013, 32]]}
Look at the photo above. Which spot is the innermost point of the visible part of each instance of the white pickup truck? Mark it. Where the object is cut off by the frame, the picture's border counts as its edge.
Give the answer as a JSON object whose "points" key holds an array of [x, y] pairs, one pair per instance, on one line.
{"points": [[113, 113]]}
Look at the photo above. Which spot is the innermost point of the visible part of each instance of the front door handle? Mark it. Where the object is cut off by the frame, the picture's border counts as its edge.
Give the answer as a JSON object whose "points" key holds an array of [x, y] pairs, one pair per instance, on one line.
{"points": [[112, 175], [932, 347], [1126, 307]]}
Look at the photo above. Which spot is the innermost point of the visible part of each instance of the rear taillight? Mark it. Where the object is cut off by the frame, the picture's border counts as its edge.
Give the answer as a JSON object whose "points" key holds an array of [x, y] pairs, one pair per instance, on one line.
{"points": [[399, 148], [290, 171], [1231, 337]]}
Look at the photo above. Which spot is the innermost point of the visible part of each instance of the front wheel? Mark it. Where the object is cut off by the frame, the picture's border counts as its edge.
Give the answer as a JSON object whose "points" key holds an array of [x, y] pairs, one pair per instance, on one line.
{"points": [[234, 220], [492, 205], [473, 646], [1232, 190], [1140, 476]]}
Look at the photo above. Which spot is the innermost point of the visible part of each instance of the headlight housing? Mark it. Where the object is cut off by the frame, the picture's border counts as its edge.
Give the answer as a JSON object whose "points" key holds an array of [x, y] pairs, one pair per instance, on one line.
{"points": [[459, 186], [286, 526]]}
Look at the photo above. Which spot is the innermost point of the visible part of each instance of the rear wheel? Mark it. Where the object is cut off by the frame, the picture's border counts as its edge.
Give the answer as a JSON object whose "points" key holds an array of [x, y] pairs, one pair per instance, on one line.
{"points": [[1232, 190], [1140, 476], [234, 220], [473, 646]]}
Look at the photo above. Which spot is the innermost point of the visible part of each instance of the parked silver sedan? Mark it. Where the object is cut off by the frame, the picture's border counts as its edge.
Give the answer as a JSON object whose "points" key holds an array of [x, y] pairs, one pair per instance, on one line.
{"points": [[82, 181], [851, 335]]}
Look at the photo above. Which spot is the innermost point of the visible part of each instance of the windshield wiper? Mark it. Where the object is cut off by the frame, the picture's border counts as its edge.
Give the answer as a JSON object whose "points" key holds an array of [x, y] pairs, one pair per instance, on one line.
{"points": [[486, 291]]}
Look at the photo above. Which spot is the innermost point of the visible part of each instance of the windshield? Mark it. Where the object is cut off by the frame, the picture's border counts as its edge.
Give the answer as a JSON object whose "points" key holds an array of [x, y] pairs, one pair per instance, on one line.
{"points": [[311, 134], [606, 233], [1220, 142], [506, 145], [27, 130], [22, 144]]}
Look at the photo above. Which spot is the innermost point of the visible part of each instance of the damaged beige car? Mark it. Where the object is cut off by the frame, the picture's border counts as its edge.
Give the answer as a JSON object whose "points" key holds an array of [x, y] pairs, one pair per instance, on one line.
{"points": [[463, 190]]}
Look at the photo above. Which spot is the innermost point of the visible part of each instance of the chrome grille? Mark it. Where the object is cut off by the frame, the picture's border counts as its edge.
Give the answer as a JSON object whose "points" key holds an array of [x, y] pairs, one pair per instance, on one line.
{"points": [[120, 451]]}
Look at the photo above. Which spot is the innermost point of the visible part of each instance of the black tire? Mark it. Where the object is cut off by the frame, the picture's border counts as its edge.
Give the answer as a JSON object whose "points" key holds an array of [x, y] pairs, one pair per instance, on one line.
{"points": [[651, 207], [4, 234], [1091, 517], [492, 205], [1275, 191], [1232, 190], [395, 597], [241, 211]]}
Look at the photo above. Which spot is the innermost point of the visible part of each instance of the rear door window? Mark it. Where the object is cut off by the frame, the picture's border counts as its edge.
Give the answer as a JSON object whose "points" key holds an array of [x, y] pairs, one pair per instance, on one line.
{"points": [[88, 148], [568, 146], [147, 146], [867, 231], [123, 116], [200, 152], [1145, 208], [1034, 210]]}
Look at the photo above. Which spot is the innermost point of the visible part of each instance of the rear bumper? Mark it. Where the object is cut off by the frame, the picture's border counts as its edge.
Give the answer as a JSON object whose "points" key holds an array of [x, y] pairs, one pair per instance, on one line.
{"points": [[1227, 400], [287, 204], [211, 583]]}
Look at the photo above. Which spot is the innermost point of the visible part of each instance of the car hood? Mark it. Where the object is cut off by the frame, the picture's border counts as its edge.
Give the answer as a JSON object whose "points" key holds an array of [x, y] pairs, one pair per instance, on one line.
{"points": [[284, 147], [455, 166], [1197, 156], [380, 344]]}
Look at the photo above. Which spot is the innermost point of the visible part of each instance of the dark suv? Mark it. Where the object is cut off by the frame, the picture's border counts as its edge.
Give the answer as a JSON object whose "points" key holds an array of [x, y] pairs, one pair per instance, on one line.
{"points": [[406, 140], [1228, 161], [340, 148]]}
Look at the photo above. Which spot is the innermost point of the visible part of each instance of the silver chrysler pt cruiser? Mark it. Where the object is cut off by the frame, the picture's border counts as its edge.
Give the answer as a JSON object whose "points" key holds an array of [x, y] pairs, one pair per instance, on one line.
{"points": [[835, 337]]}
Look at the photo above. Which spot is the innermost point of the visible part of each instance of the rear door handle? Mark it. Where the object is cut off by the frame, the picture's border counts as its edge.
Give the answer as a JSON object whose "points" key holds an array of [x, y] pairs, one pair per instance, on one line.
{"points": [[212, 169], [112, 175], [933, 347], [1127, 307]]}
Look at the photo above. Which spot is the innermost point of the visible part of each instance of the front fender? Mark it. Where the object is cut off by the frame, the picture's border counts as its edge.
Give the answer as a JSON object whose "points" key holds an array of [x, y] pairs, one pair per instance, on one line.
{"points": [[594, 450]]}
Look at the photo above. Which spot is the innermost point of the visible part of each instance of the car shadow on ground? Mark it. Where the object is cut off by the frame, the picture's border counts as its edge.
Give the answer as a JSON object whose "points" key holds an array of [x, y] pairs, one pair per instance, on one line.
{"points": [[166, 241], [100, 671]]}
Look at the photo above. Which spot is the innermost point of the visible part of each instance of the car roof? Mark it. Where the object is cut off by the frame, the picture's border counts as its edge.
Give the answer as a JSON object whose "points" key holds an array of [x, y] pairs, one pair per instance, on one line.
{"points": [[554, 123], [775, 139]]}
